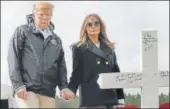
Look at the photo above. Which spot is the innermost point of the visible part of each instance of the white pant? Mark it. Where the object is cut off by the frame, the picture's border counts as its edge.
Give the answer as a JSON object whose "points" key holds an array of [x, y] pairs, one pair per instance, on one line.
{"points": [[35, 101]]}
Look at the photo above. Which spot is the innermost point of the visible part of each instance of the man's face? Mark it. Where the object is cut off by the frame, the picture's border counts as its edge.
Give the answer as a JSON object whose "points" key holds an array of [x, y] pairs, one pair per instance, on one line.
{"points": [[42, 18]]}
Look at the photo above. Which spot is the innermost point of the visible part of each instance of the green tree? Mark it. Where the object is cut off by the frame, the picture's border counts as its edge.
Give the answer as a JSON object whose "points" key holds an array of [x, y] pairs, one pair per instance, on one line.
{"points": [[163, 98]]}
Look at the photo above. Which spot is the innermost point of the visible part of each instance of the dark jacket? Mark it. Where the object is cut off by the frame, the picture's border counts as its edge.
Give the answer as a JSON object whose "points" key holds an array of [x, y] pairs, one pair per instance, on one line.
{"points": [[88, 62], [36, 63]]}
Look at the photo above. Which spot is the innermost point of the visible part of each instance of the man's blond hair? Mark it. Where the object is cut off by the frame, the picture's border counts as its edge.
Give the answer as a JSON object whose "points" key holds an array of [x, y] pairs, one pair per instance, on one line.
{"points": [[43, 6]]}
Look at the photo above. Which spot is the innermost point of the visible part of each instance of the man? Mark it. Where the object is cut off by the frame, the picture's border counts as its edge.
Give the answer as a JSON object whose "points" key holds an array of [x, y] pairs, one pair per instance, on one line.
{"points": [[36, 61]]}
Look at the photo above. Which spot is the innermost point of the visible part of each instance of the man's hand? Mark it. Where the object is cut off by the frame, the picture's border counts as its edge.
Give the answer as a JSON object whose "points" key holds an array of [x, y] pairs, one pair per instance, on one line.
{"points": [[67, 94], [22, 93]]}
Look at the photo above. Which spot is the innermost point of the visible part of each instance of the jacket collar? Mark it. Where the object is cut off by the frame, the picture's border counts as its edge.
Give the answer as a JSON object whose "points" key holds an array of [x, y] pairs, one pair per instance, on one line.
{"points": [[103, 51]]}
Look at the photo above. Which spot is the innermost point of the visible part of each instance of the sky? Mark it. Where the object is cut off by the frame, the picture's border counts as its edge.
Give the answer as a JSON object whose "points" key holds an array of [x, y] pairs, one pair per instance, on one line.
{"points": [[124, 21]]}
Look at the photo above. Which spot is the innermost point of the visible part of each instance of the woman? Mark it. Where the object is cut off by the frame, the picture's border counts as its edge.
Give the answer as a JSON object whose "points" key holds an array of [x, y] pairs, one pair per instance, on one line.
{"points": [[92, 55]]}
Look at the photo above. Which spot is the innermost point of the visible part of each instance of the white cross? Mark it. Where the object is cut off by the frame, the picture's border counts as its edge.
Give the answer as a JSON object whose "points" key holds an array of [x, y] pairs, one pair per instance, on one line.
{"points": [[149, 80]]}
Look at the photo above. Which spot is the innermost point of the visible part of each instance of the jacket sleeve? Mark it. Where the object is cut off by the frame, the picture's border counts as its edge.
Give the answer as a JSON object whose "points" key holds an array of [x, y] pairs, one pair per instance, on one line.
{"points": [[14, 56], [119, 91], [76, 75], [63, 82]]}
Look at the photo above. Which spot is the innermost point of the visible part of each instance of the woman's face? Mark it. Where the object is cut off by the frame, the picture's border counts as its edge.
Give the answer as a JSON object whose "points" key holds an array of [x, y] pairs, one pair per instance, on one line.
{"points": [[93, 26]]}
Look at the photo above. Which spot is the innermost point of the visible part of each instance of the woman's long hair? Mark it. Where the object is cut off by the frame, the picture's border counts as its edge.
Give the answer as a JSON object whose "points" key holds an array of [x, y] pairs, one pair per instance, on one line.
{"points": [[103, 35]]}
